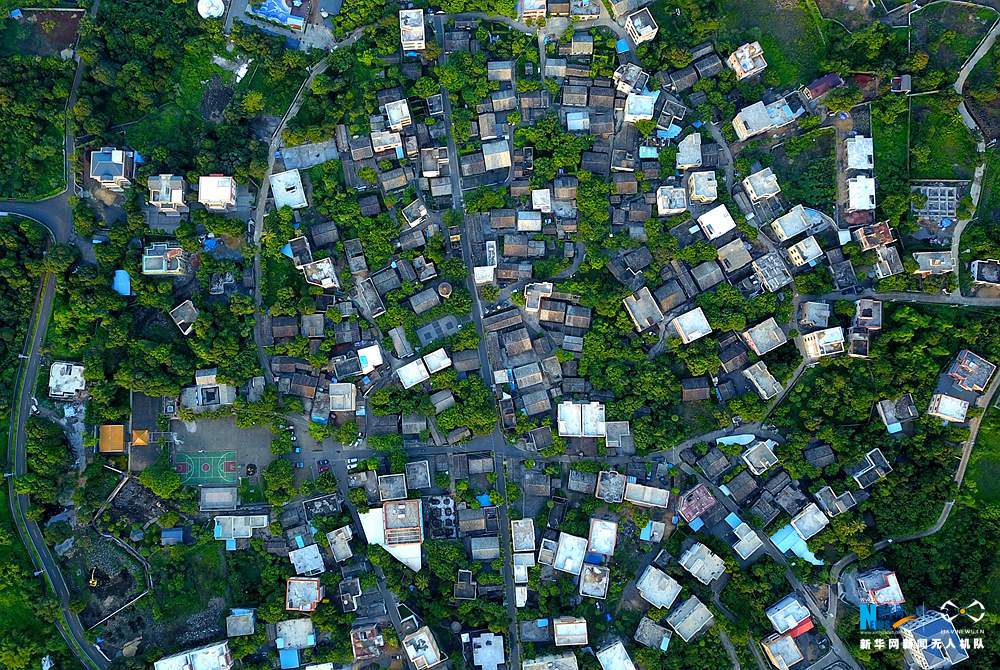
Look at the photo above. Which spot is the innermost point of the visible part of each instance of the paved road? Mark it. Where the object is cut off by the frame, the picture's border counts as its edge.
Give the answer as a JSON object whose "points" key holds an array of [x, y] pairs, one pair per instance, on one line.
{"points": [[69, 625], [923, 298]]}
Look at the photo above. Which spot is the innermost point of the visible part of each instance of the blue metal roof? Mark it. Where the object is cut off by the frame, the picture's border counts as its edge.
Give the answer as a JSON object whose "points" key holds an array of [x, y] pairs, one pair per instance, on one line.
{"points": [[733, 520]]}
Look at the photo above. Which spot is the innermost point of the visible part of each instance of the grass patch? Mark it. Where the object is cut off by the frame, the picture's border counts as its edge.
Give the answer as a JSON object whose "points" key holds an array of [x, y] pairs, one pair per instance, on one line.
{"points": [[788, 34], [984, 468], [890, 125], [185, 578], [806, 167], [941, 147]]}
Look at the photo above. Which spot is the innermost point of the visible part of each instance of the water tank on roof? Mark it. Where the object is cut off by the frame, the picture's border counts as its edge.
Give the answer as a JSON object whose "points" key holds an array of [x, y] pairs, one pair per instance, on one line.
{"points": [[211, 9]]}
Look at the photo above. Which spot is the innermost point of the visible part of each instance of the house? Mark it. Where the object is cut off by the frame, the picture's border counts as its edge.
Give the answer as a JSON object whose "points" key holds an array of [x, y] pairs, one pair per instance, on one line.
{"points": [[164, 259], [487, 648], [762, 379], [166, 194], [643, 309], [307, 560], [397, 113], [420, 646], [610, 486], [760, 456], [894, 413], [689, 152], [214, 656], [933, 263], [653, 635], [241, 622], [860, 194], [759, 118], [690, 618], [111, 439], [112, 168], [411, 29], [66, 381], [804, 252], [782, 651], [570, 553], [888, 262], [657, 588], [703, 186], [569, 631], [766, 336], [640, 26], [714, 463], [809, 521], [709, 66], [733, 354], [207, 393], [860, 153], [639, 107], [303, 594], [820, 343], [691, 325], [692, 504], [533, 9], [790, 224], [496, 155], [217, 192], [716, 222], [771, 272], [789, 615], [986, 272], [821, 86], [880, 587], [594, 581], [695, 388], [761, 185], [287, 190], [671, 200], [703, 565], [931, 642], [868, 314], [747, 541], [747, 60], [615, 657], [184, 316], [971, 371], [646, 496], [734, 256]]}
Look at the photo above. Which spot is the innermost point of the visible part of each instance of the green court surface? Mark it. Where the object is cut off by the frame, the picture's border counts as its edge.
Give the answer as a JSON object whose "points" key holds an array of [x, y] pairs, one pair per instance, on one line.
{"points": [[210, 467]]}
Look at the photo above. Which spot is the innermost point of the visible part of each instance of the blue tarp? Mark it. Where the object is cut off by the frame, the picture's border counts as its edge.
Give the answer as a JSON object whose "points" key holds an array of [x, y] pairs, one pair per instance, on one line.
{"points": [[696, 524], [210, 244], [621, 46], [288, 658], [484, 500], [648, 152], [733, 520], [672, 131], [16, 14], [787, 539], [287, 250], [593, 559], [230, 545], [697, 124], [122, 283], [894, 428], [646, 533]]}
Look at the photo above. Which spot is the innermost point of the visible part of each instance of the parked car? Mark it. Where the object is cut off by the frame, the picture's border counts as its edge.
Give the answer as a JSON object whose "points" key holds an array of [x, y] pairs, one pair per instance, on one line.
{"points": [[324, 468], [251, 469], [324, 461]]}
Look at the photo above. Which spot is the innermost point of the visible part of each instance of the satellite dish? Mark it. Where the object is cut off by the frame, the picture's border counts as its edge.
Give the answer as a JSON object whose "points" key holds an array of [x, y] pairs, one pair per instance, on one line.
{"points": [[211, 9]]}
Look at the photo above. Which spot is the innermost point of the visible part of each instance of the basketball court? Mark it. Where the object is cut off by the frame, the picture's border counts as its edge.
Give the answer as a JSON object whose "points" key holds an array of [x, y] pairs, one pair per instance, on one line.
{"points": [[215, 467]]}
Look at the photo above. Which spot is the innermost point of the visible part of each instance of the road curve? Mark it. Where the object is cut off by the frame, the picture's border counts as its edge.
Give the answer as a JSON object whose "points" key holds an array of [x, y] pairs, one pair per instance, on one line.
{"points": [[69, 624]]}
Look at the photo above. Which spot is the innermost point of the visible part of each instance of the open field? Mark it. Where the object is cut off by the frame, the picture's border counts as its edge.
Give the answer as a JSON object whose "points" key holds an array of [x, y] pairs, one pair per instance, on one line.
{"points": [[788, 34], [941, 147], [806, 167], [948, 33]]}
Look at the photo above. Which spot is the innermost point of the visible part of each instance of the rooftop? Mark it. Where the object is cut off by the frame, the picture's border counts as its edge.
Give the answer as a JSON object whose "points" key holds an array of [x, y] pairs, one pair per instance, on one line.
{"points": [[716, 222], [657, 588], [569, 631], [690, 618], [615, 657], [703, 565]]}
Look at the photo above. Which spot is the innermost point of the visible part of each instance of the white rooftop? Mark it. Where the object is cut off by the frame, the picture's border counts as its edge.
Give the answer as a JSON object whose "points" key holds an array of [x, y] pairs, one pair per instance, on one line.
{"points": [[671, 200], [646, 496], [689, 152], [948, 408], [603, 537], [860, 193], [704, 187], [286, 188], [716, 222], [65, 380], [570, 553], [307, 561], [581, 419], [210, 657], [658, 588], [437, 360], [615, 657], [860, 153], [370, 358], [691, 325], [790, 224], [702, 563], [809, 521], [639, 107], [215, 190], [413, 373]]}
